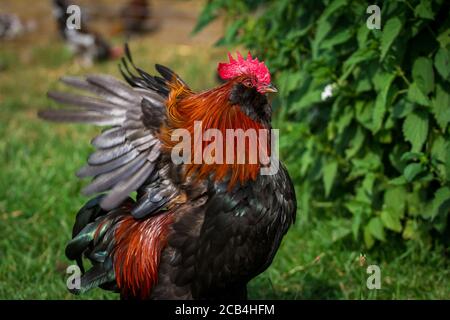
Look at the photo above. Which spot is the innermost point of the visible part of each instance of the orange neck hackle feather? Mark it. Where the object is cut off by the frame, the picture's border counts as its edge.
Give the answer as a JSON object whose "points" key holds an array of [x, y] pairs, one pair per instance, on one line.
{"points": [[214, 111]]}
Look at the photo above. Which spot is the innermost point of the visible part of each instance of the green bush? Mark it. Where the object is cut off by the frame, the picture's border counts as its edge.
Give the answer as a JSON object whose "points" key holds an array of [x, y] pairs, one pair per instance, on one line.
{"points": [[376, 153]]}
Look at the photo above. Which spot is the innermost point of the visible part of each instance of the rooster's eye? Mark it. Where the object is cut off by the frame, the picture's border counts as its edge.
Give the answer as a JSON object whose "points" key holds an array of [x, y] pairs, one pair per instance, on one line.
{"points": [[247, 83]]}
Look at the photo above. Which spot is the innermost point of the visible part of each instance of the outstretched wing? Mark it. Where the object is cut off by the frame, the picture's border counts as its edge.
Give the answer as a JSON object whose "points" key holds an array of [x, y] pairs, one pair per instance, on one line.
{"points": [[127, 153]]}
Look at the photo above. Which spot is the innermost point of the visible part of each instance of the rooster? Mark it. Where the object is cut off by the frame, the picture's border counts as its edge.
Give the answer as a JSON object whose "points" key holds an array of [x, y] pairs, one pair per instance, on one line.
{"points": [[193, 230]]}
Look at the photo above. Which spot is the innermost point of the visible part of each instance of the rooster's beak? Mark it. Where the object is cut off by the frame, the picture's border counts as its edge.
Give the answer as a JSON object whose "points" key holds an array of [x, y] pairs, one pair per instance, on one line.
{"points": [[270, 88]]}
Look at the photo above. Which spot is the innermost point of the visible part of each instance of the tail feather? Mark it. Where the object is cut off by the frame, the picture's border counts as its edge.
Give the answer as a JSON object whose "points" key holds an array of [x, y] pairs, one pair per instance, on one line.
{"points": [[124, 251], [93, 238], [100, 275], [88, 213]]}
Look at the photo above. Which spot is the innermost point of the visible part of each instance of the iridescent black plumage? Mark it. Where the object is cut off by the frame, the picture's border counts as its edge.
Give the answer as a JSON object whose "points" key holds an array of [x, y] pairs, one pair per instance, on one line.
{"points": [[219, 245], [254, 104]]}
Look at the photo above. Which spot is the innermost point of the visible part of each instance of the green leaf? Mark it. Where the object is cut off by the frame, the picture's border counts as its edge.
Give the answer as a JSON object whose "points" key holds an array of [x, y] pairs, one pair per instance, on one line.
{"points": [[370, 162], [340, 37], [439, 153], [408, 156], [440, 148], [410, 230], [364, 112], [368, 238], [398, 181], [415, 203], [416, 95], [441, 202], [376, 228], [323, 28], [390, 32], [442, 63], [364, 167], [415, 129], [329, 174], [444, 38], [363, 84], [382, 102], [395, 200], [356, 224], [395, 155], [354, 206], [362, 35], [355, 143], [344, 120], [412, 170], [307, 100], [340, 229], [423, 74], [208, 14], [367, 184], [402, 108], [423, 10], [305, 199], [391, 221], [360, 55], [386, 134], [441, 107], [332, 8], [231, 32], [447, 164], [289, 81]]}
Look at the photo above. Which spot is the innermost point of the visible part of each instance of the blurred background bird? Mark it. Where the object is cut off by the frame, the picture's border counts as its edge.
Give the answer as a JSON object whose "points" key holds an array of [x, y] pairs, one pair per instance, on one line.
{"points": [[137, 18], [87, 45], [194, 230], [11, 26]]}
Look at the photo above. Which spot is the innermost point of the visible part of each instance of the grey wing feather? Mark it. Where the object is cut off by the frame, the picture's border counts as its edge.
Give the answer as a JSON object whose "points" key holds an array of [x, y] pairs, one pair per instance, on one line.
{"points": [[126, 186], [109, 138], [126, 153]]}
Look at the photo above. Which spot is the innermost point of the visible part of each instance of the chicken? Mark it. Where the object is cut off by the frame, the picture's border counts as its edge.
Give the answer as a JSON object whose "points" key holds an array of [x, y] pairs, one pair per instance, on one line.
{"points": [[136, 17], [196, 230], [10, 26], [86, 44]]}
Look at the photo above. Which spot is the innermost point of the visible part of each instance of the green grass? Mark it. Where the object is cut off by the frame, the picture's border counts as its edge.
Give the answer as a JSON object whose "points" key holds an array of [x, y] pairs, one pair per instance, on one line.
{"points": [[39, 197]]}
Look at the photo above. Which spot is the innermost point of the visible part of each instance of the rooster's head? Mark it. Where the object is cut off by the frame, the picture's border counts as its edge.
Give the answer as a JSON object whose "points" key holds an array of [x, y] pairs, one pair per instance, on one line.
{"points": [[248, 72]]}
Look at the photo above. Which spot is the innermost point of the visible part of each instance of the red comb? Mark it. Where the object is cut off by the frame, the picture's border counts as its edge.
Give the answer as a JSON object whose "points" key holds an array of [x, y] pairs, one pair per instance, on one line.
{"points": [[242, 66]]}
